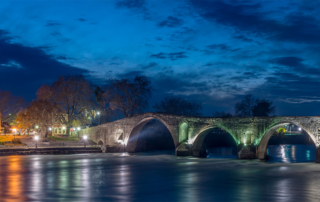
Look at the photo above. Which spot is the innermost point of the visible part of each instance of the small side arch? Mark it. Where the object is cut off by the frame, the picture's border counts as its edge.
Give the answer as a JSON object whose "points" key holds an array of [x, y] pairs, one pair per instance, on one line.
{"points": [[198, 140], [100, 142], [262, 147], [183, 131], [134, 133]]}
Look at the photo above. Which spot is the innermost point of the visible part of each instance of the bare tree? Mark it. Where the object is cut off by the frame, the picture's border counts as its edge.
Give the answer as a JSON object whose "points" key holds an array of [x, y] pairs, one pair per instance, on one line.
{"points": [[73, 97], [179, 106], [130, 96], [9, 105], [244, 107]]}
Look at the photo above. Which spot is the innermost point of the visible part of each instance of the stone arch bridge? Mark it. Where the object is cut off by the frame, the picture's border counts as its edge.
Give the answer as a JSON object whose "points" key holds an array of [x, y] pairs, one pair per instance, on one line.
{"points": [[251, 134]]}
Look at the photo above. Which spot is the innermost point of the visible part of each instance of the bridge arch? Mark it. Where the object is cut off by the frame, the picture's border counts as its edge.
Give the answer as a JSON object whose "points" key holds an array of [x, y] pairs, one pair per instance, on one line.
{"points": [[131, 142], [262, 147], [198, 140]]}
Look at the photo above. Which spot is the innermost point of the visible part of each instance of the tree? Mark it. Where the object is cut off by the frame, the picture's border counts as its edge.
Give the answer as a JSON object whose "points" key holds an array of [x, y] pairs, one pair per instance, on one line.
{"points": [[244, 107], [43, 113], [263, 108], [178, 106], [130, 96], [24, 121], [221, 114], [9, 105], [72, 97]]}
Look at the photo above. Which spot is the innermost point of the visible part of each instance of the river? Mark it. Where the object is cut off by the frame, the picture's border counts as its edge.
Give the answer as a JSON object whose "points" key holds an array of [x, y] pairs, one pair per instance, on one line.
{"points": [[157, 176]]}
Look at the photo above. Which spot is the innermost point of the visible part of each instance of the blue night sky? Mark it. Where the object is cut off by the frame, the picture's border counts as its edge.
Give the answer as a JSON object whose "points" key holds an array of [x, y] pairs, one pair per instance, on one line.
{"points": [[214, 52]]}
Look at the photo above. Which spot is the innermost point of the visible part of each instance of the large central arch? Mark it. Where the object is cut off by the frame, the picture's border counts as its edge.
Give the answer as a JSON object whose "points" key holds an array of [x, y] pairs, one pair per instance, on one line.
{"points": [[197, 146], [134, 133], [262, 147]]}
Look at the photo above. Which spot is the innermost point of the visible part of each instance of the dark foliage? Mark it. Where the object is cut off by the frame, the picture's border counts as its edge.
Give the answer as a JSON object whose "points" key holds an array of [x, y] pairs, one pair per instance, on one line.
{"points": [[221, 114], [179, 106]]}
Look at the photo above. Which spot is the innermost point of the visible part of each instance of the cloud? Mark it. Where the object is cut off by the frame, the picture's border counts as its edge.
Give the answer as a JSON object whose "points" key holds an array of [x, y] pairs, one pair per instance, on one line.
{"points": [[171, 22], [289, 61], [247, 17], [211, 49], [59, 37], [131, 4], [24, 69], [171, 56], [243, 38], [130, 74], [136, 6], [82, 19], [51, 23], [150, 65]]}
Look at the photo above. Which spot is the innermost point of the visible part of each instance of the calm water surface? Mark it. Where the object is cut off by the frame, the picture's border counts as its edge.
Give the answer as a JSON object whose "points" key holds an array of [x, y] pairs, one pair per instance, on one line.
{"points": [[155, 177]]}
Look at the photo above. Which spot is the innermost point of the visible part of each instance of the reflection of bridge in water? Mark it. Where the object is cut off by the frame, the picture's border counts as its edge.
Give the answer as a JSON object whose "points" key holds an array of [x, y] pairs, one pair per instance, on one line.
{"points": [[251, 134]]}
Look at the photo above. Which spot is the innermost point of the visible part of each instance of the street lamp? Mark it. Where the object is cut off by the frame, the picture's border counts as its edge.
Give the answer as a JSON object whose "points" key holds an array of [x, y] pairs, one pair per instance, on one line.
{"points": [[99, 117], [36, 138], [85, 140], [14, 134]]}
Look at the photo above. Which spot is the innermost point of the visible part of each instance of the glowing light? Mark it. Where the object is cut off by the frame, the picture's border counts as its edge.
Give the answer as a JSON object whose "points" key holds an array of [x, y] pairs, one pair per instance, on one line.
{"points": [[78, 128], [85, 137], [37, 127], [121, 141], [244, 141], [50, 128], [73, 128], [63, 127], [299, 128], [36, 138], [98, 113], [14, 130]]}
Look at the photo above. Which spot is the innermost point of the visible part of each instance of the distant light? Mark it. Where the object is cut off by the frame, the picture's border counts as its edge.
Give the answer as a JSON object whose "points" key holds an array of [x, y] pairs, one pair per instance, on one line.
{"points": [[299, 128], [36, 137], [50, 128], [78, 128], [73, 128], [14, 130], [37, 126], [85, 137], [63, 127], [98, 113]]}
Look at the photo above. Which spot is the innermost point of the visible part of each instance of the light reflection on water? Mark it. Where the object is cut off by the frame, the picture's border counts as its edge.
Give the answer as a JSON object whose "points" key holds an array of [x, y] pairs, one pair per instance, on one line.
{"points": [[276, 153], [291, 153], [154, 177]]}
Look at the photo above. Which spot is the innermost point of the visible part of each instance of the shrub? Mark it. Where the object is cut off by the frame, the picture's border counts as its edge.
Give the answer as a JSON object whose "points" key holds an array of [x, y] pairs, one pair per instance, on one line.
{"points": [[16, 141]]}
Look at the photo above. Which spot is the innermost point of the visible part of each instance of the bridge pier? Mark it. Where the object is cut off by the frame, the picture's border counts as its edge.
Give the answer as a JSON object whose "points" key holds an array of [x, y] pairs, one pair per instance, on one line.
{"points": [[184, 149], [318, 154], [247, 152]]}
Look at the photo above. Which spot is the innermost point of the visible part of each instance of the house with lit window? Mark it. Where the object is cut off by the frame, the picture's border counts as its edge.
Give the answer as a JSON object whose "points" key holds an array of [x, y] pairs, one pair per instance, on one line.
{"points": [[59, 129]]}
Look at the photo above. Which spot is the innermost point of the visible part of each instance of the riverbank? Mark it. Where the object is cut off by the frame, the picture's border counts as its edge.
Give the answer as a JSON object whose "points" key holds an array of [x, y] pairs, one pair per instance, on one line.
{"points": [[48, 150]]}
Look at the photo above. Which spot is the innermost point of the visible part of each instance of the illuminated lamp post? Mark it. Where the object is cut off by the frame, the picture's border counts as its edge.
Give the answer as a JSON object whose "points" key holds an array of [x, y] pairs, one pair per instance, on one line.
{"points": [[85, 140], [99, 117], [14, 133], [36, 138], [37, 127]]}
